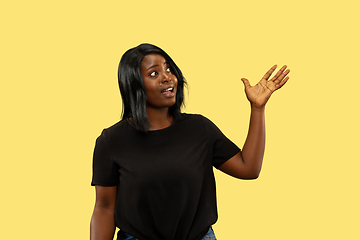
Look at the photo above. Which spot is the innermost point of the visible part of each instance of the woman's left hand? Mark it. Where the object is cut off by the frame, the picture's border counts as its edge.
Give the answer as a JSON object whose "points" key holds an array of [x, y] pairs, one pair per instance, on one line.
{"points": [[259, 94]]}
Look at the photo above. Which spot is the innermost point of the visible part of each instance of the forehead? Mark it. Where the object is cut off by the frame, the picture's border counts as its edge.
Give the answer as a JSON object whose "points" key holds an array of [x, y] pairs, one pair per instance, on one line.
{"points": [[152, 59]]}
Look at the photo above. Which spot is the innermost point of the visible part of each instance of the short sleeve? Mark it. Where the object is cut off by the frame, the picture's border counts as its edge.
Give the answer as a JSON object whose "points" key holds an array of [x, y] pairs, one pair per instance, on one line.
{"points": [[222, 147], [105, 170]]}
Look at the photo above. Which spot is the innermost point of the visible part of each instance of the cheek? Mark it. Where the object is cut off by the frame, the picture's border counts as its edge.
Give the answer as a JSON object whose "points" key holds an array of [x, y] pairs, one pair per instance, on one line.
{"points": [[175, 81], [151, 86]]}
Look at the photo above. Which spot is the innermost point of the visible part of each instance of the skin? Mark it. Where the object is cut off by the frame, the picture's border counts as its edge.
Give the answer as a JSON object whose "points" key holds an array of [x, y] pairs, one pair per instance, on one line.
{"points": [[244, 165], [155, 72], [102, 224], [247, 163]]}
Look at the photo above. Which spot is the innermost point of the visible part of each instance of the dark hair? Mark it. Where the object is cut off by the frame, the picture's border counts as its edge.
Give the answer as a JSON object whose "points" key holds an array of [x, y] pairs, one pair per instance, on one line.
{"points": [[132, 87]]}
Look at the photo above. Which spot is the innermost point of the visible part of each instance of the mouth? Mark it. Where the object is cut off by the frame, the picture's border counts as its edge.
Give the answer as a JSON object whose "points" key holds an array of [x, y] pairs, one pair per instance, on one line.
{"points": [[168, 92], [169, 89]]}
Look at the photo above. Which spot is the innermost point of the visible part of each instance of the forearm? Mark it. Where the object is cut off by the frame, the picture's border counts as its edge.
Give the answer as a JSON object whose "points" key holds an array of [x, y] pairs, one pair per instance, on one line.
{"points": [[254, 147], [102, 225]]}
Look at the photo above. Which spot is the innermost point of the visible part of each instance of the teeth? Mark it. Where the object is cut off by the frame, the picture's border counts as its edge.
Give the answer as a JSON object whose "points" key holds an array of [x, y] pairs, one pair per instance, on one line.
{"points": [[168, 89]]}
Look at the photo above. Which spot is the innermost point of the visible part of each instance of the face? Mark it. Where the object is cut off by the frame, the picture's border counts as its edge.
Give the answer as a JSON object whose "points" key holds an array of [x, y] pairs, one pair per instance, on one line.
{"points": [[160, 83]]}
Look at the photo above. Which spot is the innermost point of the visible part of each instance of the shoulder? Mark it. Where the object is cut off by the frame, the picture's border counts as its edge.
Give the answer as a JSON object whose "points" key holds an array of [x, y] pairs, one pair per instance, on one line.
{"points": [[197, 122], [114, 130], [196, 118], [192, 117], [117, 126]]}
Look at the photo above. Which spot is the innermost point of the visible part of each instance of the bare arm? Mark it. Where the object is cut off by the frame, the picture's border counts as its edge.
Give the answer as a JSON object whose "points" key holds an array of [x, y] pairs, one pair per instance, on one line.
{"points": [[102, 225], [247, 163]]}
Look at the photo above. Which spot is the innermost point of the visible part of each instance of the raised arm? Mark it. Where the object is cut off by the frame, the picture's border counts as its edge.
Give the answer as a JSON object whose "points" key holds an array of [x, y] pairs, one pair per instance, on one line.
{"points": [[247, 163], [102, 225]]}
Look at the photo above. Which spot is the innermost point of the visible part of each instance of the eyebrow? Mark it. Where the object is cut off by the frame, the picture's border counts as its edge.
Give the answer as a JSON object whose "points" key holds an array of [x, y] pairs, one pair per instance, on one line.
{"points": [[152, 67], [156, 65]]}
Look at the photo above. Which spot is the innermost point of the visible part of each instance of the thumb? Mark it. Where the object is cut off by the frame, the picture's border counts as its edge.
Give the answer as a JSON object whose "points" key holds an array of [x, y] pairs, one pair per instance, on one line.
{"points": [[246, 82]]}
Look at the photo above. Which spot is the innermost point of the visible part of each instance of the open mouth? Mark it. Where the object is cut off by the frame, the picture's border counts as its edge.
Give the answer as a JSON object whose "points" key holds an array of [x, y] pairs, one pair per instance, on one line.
{"points": [[168, 90]]}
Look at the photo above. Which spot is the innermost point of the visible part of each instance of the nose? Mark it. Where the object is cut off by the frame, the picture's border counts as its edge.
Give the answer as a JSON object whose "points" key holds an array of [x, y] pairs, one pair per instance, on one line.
{"points": [[166, 78]]}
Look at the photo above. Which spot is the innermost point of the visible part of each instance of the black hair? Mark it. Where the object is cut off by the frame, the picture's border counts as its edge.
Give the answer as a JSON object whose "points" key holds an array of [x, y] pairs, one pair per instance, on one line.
{"points": [[132, 86]]}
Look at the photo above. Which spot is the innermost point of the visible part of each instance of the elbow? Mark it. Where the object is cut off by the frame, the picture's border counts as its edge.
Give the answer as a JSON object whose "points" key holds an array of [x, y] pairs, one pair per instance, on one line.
{"points": [[251, 175]]}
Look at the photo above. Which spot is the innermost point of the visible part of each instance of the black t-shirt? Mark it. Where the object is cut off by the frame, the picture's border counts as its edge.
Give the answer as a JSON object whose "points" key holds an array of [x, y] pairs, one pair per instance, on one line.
{"points": [[165, 180]]}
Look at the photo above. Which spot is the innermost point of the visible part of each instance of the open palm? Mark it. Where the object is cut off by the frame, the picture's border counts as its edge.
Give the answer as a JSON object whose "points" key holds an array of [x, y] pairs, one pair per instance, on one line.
{"points": [[260, 93]]}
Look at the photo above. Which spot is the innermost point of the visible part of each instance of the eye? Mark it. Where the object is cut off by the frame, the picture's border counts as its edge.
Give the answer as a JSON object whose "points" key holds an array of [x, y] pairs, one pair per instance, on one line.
{"points": [[153, 74], [168, 69]]}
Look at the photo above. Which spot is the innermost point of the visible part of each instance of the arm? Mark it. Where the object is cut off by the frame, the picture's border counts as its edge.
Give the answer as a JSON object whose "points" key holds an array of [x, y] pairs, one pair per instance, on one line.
{"points": [[102, 225], [247, 163]]}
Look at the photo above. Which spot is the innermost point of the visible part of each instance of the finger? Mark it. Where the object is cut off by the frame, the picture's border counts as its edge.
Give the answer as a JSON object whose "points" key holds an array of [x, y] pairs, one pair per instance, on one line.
{"points": [[282, 83], [282, 76], [268, 73], [246, 83], [279, 73]]}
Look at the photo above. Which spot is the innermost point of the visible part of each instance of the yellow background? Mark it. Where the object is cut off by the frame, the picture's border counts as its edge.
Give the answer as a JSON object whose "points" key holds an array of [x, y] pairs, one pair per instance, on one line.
{"points": [[59, 90]]}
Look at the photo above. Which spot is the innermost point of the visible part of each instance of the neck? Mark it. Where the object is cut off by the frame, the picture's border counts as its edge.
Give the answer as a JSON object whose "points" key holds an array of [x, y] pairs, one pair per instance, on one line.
{"points": [[159, 118]]}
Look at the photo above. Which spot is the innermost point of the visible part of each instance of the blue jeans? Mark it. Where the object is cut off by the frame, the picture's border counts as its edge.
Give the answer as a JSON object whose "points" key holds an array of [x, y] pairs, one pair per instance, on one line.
{"points": [[124, 236]]}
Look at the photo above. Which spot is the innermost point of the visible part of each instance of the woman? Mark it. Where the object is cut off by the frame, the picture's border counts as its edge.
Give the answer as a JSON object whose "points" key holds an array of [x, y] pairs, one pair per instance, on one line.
{"points": [[153, 170]]}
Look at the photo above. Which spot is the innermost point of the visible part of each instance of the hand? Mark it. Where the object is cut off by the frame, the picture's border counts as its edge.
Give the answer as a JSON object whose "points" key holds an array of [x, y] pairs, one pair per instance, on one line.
{"points": [[259, 94]]}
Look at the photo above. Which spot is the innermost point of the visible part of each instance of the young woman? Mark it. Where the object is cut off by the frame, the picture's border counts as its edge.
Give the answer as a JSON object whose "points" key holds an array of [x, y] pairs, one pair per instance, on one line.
{"points": [[153, 170]]}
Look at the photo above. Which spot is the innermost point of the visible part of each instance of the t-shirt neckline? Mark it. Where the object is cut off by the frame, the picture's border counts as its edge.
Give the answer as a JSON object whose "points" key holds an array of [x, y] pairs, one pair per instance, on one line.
{"points": [[158, 130]]}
